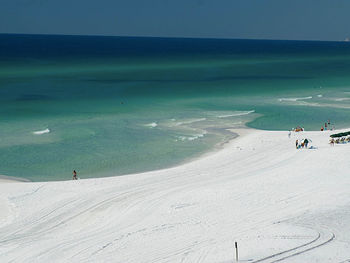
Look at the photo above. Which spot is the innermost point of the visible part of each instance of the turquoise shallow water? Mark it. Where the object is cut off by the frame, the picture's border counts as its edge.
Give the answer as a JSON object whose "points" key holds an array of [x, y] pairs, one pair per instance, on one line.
{"points": [[112, 106]]}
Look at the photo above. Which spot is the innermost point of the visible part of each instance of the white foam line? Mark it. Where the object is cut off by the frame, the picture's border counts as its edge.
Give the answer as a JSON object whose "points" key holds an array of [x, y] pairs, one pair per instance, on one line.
{"points": [[189, 121], [295, 99], [242, 113], [41, 132], [151, 125], [340, 99]]}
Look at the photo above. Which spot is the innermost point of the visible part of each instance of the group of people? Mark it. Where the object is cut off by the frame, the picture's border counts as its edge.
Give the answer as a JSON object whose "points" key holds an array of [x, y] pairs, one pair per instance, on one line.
{"points": [[327, 126], [298, 129], [339, 140], [302, 144]]}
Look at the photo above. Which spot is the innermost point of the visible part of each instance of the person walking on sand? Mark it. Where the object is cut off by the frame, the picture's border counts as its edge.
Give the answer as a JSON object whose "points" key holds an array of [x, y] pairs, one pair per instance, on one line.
{"points": [[296, 144], [306, 142], [75, 175]]}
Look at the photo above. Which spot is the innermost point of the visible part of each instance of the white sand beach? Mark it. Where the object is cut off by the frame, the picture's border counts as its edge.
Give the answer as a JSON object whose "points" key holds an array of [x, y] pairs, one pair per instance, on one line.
{"points": [[277, 202]]}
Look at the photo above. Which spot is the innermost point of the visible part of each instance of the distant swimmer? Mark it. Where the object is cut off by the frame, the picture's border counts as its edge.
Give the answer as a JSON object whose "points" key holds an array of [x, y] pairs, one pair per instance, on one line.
{"points": [[75, 175]]}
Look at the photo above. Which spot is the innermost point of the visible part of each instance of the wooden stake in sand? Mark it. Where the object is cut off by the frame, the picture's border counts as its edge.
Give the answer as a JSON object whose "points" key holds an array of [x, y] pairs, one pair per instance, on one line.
{"points": [[236, 248]]}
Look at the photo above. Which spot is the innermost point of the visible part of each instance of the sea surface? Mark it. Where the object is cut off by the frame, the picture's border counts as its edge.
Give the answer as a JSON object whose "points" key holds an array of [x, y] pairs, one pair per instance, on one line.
{"points": [[109, 106]]}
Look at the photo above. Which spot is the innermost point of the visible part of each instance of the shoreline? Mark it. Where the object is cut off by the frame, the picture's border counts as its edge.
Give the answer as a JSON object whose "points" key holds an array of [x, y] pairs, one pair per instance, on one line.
{"points": [[236, 133], [12, 179], [220, 146]]}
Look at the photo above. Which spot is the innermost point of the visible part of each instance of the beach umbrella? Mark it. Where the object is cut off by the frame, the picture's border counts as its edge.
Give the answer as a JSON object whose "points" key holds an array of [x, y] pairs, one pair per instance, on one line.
{"points": [[341, 134], [335, 136]]}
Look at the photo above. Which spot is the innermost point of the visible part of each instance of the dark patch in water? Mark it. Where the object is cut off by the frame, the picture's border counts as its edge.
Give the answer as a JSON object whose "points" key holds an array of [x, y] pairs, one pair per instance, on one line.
{"points": [[200, 79], [33, 97]]}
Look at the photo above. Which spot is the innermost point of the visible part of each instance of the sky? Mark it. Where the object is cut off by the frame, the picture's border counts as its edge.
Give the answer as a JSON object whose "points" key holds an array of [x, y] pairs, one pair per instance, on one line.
{"points": [[245, 19]]}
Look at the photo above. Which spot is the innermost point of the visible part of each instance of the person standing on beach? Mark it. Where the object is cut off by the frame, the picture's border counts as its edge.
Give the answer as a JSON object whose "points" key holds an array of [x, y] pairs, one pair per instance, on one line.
{"points": [[75, 175], [296, 144], [289, 133]]}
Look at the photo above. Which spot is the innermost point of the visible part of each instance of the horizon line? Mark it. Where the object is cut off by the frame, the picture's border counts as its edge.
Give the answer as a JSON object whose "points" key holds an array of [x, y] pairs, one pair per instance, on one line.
{"points": [[174, 37]]}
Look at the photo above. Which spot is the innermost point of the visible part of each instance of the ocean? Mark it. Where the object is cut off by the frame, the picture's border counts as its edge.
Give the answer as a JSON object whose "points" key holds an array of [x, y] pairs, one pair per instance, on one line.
{"points": [[109, 106]]}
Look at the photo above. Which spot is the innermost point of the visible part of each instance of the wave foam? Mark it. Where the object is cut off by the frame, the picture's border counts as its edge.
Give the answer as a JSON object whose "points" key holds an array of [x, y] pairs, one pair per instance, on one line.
{"points": [[238, 113], [41, 132], [189, 121], [151, 125], [328, 105], [340, 99], [295, 99], [191, 138]]}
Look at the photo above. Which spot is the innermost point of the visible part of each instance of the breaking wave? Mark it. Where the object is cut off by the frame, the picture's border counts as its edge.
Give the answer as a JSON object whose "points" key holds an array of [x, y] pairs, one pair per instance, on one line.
{"points": [[238, 113], [190, 138], [151, 125], [189, 121], [340, 99], [41, 132], [294, 99]]}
